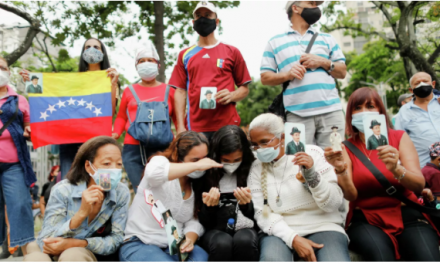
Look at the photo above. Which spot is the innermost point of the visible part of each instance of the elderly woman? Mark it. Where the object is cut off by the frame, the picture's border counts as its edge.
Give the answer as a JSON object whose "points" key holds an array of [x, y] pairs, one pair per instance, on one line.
{"points": [[16, 171], [134, 154], [380, 226], [296, 198], [83, 222]]}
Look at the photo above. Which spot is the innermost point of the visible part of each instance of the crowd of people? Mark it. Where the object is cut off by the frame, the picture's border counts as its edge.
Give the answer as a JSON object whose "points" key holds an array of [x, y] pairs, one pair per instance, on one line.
{"points": [[213, 192]]}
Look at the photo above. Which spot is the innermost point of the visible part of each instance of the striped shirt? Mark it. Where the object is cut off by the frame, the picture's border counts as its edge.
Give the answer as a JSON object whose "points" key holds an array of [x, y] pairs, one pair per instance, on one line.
{"points": [[316, 93]]}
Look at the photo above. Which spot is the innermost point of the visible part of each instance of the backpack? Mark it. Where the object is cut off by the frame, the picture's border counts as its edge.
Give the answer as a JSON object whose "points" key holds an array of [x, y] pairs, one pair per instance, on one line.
{"points": [[152, 124]]}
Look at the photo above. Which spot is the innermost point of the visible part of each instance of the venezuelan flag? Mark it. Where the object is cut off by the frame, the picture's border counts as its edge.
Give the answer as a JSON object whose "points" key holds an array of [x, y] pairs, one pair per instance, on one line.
{"points": [[73, 108]]}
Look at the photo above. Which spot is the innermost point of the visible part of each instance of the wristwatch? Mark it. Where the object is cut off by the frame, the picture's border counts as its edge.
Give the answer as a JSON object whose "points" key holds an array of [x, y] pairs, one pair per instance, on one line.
{"points": [[332, 67]]}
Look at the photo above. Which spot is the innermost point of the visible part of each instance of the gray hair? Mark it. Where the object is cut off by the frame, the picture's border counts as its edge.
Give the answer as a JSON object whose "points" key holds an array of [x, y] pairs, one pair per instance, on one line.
{"points": [[410, 79], [269, 122], [289, 10]]}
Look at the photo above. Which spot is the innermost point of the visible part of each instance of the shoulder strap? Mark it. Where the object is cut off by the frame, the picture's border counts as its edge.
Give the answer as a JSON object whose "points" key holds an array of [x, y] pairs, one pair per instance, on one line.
{"points": [[389, 188], [134, 93], [309, 47], [167, 92], [10, 120]]}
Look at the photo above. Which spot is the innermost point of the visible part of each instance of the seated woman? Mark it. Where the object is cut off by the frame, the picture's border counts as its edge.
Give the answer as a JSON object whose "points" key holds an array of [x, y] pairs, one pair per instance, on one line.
{"points": [[379, 226], [82, 221], [217, 197], [167, 185], [296, 198]]}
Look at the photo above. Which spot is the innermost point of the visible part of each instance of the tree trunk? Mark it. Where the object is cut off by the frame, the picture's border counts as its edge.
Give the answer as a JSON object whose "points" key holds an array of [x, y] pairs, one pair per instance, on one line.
{"points": [[158, 37]]}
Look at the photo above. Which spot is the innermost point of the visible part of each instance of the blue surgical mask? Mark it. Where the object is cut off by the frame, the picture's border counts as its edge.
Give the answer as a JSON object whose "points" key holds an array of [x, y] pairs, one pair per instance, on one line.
{"points": [[148, 70], [268, 154], [93, 56], [115, 175], [358, 119]]}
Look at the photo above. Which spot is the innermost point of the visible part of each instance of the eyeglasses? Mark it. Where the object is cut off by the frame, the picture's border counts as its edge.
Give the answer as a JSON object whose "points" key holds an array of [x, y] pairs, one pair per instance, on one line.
{"points": [[263, 145]]}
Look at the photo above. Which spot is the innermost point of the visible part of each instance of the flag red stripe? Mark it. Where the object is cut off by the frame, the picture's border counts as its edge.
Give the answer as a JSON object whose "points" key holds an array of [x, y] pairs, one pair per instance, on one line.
{"points": [[69, 131]]}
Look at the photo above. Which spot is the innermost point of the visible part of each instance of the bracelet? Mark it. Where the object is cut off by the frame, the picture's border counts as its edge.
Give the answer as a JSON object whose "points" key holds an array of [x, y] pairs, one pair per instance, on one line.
{"points": [[344, 173], [344, 170], [401, 176]]}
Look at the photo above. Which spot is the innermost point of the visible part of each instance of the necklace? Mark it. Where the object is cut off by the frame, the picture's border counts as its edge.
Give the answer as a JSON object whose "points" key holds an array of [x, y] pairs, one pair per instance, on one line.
{"points": [[366, 152], [183, 194], [278, 200]]}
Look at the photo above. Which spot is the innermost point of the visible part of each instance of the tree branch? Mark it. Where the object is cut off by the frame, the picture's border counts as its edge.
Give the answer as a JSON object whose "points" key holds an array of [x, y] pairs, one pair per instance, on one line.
{"points": [[391, 3], [434, 55], [392, 47], [380, 34], [34, 28], [387, 14]]}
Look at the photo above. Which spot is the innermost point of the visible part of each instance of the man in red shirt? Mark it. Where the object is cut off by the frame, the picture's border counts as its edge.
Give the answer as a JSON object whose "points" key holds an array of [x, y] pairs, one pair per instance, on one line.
{"points": [[209, 64], [431, 171]]}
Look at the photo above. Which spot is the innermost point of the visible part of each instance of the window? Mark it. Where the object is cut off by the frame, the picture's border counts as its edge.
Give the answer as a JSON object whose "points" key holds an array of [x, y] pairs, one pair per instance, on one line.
{"points": [[347, 44]]}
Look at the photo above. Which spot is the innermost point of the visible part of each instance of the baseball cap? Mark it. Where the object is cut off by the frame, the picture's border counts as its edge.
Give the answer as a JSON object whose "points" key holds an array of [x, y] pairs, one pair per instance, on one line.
{"points": [[403, 97], [289, 4], [434, 149], [207, 5]]}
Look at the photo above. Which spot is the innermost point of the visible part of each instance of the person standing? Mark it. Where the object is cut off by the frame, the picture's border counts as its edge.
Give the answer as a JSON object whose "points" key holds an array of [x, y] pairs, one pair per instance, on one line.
{"points": [[401, 101], [135, 155], [431, 171], [311, 98], [419, 118], [16, 173], [93, 57], [210, 63], [47, 187]]}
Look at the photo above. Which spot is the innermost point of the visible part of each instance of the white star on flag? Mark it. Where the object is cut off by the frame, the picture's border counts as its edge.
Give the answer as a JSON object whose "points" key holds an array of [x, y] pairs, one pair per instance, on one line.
{"points": [[90, 106], [61, 103], [44, 115], [81, 103], [51, 108], [97, 111], [71, 101]]}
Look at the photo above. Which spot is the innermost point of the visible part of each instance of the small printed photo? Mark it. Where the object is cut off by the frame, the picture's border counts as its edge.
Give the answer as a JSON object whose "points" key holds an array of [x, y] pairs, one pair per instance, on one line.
{"points": [[174, 235], [207, 98], [376, 133], [294, 138], [104, 181], [35, 86]]}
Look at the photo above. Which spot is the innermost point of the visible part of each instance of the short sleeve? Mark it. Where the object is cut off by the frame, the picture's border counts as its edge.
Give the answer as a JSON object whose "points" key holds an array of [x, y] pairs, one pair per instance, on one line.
{"points": [[241, 72], [156, 172], [179, 77], [23, 105], [268, 62], [336, 53]]}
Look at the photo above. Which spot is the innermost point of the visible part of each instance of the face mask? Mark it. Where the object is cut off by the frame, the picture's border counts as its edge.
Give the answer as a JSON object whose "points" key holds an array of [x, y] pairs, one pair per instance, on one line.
{"points": [[196, 174], [4, 78], [358, 120], [115, 175], [93, 56], [231, 167], [205, 26], [423, 90], [311, 15], [268, 154], [148, 70]]}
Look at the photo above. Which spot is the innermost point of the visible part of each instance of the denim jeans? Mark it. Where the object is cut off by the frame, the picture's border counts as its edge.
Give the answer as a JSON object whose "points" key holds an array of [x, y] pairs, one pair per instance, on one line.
{"points": [[335, 248], [16, 196], [135, 250], [132, 160], [67, 155]]}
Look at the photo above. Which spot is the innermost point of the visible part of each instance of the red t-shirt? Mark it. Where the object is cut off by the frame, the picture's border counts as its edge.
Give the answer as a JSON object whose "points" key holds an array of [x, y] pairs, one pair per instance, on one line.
{"points": [[145, 94], [221, 66], [380, 209]]}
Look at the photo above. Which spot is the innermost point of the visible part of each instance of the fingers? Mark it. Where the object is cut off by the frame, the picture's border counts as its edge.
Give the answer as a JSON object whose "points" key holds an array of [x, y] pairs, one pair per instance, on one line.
{"points": [[93, 187], [221, 94], [225, 100], [315, 245], [50, 240]]}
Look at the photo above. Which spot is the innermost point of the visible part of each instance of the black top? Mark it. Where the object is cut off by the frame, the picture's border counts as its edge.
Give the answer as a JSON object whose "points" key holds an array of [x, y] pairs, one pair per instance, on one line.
{"points": [[46, 187]]}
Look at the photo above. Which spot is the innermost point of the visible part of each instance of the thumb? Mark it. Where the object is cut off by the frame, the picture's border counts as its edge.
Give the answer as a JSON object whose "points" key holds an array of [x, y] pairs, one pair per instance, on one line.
{"points": [[204, 194], [313, 244]]}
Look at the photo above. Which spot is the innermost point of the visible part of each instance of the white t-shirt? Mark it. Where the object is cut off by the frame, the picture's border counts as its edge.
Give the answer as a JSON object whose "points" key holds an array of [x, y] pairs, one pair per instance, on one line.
{"points": [[143, 221]]}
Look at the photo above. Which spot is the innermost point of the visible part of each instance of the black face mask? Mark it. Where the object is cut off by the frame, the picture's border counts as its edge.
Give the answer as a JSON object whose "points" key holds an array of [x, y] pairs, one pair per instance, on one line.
{"points": [[423, 91], [204, 26], [311, 15]]}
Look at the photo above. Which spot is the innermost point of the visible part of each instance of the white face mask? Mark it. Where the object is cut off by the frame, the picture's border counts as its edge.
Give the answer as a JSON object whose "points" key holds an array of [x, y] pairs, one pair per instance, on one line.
{"points": [[196, 174], [4, 78], [148, 70], [231, 167]]}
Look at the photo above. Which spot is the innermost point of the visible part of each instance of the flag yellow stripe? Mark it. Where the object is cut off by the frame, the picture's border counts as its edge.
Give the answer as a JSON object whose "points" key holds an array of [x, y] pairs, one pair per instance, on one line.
{"points": [[186, 52], [74, 84]]}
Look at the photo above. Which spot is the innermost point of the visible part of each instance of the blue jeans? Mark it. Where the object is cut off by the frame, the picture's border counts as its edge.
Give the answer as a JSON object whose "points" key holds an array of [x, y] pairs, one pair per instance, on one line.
{"points": [[132, 160], [67, 155], [335, 248], [135, 250], [16, 196]]}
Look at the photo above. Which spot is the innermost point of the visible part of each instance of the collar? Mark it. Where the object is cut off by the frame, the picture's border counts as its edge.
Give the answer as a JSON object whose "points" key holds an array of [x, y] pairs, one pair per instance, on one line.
{"points": [[82, 186], [11, 92], [290, 30], [412, 104], [212, 46], [429, 164]]}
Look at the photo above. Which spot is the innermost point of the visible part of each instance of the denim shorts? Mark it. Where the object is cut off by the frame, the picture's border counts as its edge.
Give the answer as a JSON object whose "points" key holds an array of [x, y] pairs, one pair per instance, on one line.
{"points": [[16, 196]]}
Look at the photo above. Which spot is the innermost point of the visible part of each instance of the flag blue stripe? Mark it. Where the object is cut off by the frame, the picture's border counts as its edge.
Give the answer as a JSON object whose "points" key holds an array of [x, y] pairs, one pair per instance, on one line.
{"points": [[40, 105]]}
